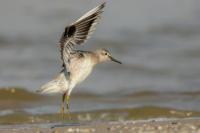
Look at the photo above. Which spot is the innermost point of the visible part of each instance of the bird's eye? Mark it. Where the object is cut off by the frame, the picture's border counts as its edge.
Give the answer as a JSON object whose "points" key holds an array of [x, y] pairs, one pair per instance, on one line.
{"points": [[106, 53]]}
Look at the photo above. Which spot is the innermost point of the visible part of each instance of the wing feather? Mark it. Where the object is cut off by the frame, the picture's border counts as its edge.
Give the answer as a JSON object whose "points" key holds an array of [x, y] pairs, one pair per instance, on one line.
{"points": [[78, 32]]}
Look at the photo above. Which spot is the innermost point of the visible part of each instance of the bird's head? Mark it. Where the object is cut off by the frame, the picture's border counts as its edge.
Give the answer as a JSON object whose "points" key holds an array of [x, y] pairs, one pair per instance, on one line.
{"points": [[104, 55]]}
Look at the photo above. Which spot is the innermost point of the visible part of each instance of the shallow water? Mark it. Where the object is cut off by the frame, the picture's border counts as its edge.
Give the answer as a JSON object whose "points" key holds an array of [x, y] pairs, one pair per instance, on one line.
{"points": [[158, 43], [18, 106]]}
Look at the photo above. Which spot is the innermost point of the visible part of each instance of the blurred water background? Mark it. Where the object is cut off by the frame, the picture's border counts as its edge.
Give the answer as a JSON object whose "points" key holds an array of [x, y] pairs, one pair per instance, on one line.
{"points": [[158, 42]]}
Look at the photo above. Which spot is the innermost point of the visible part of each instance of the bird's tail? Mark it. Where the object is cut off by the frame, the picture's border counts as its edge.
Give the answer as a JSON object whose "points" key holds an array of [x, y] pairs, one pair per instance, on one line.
{"points": [[53, 87]]}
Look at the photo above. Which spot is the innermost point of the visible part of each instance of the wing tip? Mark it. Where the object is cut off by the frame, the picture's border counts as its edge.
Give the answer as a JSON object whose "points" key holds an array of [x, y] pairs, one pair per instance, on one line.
{"points": [[103, 4]]}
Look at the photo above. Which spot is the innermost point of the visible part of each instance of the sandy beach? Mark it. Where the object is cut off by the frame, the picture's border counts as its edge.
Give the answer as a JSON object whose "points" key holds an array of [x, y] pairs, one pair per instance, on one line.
{"points": [[189, 125]]}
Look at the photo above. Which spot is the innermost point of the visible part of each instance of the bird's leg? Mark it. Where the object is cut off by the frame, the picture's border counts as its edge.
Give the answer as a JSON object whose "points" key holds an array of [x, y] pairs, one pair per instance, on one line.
{"points": [[62, 109], [67, 106]]}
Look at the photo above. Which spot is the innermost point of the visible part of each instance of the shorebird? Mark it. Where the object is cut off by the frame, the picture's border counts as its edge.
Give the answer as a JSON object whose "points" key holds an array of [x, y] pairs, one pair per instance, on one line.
{"points": [[77, 64]]}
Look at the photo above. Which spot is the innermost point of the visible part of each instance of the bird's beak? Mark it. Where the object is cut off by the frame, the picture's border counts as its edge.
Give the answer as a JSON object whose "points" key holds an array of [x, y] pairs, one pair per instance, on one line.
{"points": [[113, 59]]}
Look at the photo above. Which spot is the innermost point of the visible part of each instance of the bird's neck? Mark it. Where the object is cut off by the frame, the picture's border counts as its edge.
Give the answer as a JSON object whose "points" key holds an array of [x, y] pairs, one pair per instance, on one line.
{"points": [[95, 58]]}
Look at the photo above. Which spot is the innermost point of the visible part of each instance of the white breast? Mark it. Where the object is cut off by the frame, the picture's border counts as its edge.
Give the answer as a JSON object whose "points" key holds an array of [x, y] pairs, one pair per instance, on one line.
{"points": [[81, 70]]}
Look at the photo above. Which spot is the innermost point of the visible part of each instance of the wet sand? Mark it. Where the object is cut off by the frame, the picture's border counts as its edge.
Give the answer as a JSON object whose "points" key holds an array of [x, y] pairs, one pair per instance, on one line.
{"points": [[189, 125]]}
